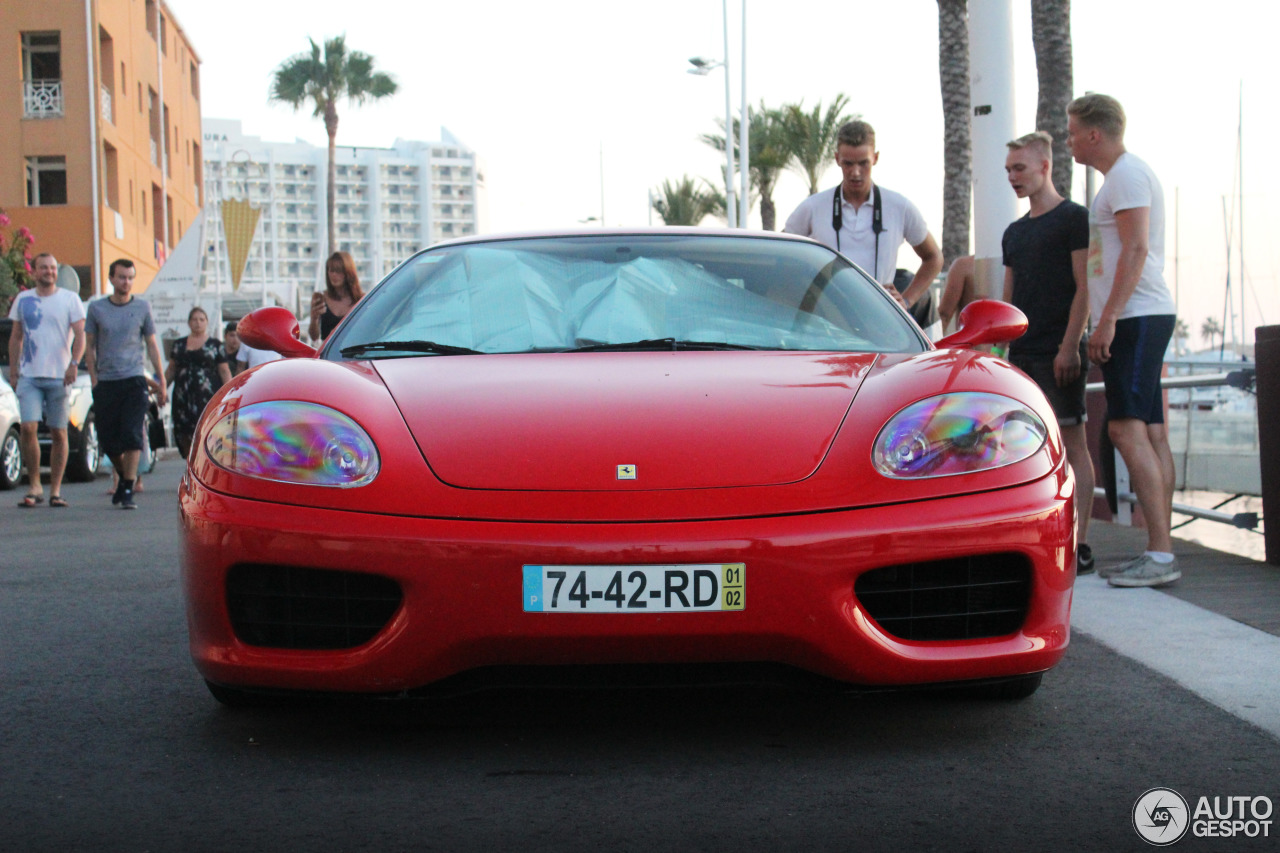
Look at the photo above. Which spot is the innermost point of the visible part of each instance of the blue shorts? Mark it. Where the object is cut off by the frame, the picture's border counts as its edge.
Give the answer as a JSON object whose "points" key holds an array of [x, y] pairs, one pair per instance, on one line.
{"points": [[37, 396], [120, 409], [1132, 375]]}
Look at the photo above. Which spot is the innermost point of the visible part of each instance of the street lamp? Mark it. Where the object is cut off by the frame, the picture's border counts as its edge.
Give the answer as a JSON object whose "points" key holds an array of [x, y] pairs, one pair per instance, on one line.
{"points": [[703, 67], [744, 152]]}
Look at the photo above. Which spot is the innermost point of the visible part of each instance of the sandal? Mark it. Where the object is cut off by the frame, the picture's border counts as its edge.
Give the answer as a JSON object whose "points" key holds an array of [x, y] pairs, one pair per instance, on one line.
{"points": [[31, 501], [58, 502]]}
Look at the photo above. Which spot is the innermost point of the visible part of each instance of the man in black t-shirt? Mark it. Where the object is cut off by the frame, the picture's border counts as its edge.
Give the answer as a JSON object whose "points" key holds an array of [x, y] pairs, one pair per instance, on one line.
{"points": [[1044, 275]]}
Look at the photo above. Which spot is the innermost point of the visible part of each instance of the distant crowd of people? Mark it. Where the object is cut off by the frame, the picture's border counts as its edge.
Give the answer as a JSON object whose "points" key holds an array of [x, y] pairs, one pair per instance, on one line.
{"points": [[116, 336]]}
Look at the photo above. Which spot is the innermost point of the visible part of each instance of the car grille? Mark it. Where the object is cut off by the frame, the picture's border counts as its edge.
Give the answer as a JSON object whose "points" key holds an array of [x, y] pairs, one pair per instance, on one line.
{"points": [[957, 599], [287, 607]]}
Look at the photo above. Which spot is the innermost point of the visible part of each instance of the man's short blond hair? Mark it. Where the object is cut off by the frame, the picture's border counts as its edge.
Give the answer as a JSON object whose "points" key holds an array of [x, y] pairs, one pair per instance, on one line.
{"points": [[1102, 112], [855, 133], [1039, 142]]}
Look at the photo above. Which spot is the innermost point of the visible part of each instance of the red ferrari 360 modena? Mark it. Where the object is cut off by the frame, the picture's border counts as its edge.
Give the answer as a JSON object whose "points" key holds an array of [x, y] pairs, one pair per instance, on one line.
{"points": [[612, 452]]}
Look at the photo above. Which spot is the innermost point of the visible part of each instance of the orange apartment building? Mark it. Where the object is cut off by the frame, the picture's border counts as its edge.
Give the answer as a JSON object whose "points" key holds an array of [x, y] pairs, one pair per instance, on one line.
{"points": [[100, 136]]}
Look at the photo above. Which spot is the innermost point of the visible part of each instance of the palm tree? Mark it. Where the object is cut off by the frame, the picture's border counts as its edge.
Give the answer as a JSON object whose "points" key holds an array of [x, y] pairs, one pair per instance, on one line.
{"points": [[769, 156], [810, 137], [1209, 330], [684, 202], [1181, 334], [322, 81], [1051, 36], [957, 148]]}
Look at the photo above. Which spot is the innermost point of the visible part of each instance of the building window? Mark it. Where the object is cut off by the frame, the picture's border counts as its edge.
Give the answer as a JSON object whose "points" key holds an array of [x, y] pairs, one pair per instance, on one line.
{"points": [[152, 18], [46, 181], [153, 101], [199, 172], [195, 81], [107, 54], [111, 175], [42, 75]]}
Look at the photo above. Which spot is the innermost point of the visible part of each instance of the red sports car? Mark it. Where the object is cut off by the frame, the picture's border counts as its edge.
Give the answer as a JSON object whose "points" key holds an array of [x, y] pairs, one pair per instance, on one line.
{"points": [[627, 454]]}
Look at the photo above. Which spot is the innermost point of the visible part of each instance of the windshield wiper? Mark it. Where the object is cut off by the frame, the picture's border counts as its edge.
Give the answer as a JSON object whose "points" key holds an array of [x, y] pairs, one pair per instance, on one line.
{"points": [[407, 346], [663, 344]]}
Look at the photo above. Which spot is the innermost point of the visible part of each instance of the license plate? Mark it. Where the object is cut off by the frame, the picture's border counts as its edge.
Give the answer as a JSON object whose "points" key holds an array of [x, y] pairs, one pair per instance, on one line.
{"points": [[634, 589]]}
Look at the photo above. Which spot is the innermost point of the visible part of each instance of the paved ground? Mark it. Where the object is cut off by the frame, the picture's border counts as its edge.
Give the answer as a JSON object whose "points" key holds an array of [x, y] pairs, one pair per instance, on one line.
{"points": [[108, 740], [1236, 587]]}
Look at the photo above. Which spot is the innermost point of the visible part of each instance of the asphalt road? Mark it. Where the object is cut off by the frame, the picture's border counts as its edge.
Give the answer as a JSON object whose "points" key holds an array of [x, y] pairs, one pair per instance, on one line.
{"points": [[109, 741]]}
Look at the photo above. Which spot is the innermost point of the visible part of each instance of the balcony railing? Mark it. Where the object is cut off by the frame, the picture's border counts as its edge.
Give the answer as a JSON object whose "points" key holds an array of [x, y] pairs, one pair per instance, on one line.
{"points": [[42, 99], [106, 105]]}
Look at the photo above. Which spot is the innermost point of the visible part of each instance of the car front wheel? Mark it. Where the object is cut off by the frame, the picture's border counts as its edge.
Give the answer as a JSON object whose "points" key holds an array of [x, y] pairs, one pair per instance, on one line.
{"points": [[10, 461], [82, 462]]}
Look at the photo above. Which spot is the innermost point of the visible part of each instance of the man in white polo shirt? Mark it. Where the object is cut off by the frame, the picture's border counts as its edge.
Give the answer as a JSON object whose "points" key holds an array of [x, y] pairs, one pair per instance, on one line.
{"points": [[866, 222]]}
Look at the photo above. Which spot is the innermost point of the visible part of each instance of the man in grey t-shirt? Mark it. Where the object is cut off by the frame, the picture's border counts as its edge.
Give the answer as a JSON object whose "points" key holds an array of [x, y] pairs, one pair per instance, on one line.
{"points": [[118, 329]]}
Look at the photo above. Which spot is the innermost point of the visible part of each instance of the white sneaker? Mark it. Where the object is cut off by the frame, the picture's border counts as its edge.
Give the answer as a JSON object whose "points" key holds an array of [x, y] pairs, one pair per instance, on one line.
{"points": [[1145, 571], [1110, 571]]}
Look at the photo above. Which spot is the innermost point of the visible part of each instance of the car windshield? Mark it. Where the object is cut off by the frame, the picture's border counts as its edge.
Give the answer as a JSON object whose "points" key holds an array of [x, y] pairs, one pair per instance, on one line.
{"points": [[624, 292]]}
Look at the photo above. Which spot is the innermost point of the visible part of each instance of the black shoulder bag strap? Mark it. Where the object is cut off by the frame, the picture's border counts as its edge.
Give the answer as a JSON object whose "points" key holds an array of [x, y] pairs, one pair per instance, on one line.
{"points": [[837, 214], [877, 221]]}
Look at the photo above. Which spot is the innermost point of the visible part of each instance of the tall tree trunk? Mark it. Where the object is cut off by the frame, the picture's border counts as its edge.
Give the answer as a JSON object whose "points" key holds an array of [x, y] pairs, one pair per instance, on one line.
{"points": [[953, 71], [768, 213], [1051, 35], [330, 196]]}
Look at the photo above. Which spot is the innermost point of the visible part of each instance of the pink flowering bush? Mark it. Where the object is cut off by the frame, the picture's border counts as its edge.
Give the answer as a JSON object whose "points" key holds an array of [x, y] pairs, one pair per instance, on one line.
{"points": [[15, 262]]}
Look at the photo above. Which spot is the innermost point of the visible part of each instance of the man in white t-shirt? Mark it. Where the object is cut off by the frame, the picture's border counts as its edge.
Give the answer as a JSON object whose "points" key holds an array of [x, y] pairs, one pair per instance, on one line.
{"points": [[1133, 320], [866, 222], [45, 347]]}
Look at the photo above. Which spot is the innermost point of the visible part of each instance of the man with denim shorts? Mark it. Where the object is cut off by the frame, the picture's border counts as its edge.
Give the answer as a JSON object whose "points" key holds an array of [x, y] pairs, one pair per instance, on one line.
{"points": [[1044, 275], [1133, 319], [44, 350], [118, 330]]}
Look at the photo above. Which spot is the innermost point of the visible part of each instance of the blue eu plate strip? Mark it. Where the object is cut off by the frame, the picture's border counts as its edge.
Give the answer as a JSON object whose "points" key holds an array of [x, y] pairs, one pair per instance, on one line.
{"points": [[533, 588]]}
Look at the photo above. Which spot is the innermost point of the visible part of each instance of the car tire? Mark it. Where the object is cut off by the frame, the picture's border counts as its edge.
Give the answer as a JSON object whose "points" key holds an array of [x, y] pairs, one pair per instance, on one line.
{"points": [[10, 461], [1011, 690], [234, 697], [82, 461]]}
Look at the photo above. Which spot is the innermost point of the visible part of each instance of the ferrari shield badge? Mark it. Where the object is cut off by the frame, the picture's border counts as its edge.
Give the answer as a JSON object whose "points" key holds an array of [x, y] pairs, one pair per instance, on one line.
{"points": [[626, 472]]}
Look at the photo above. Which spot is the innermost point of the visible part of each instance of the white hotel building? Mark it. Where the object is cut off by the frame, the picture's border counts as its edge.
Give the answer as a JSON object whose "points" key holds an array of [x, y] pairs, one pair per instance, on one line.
{"points": [[389, 203]]}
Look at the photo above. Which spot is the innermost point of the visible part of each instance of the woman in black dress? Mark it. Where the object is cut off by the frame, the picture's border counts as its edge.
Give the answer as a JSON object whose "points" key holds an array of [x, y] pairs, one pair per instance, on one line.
{"points": [[197, 368], [341, 295]]}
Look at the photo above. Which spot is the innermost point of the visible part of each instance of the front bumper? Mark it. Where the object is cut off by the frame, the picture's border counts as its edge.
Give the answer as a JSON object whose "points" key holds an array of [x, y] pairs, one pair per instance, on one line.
{"points": [[461, 585]]}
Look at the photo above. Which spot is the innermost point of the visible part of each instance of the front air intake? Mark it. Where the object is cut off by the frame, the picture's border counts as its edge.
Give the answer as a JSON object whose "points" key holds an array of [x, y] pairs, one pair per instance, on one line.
{"points": [[287, 607], [962, 598]]}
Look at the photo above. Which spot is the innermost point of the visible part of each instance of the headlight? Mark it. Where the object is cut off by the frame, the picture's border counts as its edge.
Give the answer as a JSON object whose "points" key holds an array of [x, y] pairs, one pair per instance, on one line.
{"points": [[292, 442], [957, 434]]}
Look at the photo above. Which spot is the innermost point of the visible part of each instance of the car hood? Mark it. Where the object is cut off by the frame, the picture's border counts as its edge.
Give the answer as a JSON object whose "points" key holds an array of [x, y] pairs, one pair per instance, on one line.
{"points": [[625, 421]]}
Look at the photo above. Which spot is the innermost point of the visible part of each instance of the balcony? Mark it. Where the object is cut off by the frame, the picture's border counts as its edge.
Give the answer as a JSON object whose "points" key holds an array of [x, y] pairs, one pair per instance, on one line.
{"points": [[106, 105], [42, 99]]}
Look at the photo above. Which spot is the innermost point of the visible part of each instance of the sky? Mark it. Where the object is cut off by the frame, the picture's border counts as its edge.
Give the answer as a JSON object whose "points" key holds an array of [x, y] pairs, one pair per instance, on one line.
{"points": [[561, 96]]}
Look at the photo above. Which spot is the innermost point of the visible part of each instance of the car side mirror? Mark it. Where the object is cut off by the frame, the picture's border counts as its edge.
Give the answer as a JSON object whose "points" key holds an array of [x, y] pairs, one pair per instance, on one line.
{"points": [[986, 321], [275, 329]]}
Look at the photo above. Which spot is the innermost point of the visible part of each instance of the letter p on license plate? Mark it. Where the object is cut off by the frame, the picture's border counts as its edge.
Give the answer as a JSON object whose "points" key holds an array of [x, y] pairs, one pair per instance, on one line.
{"points": [[634, 589]]}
